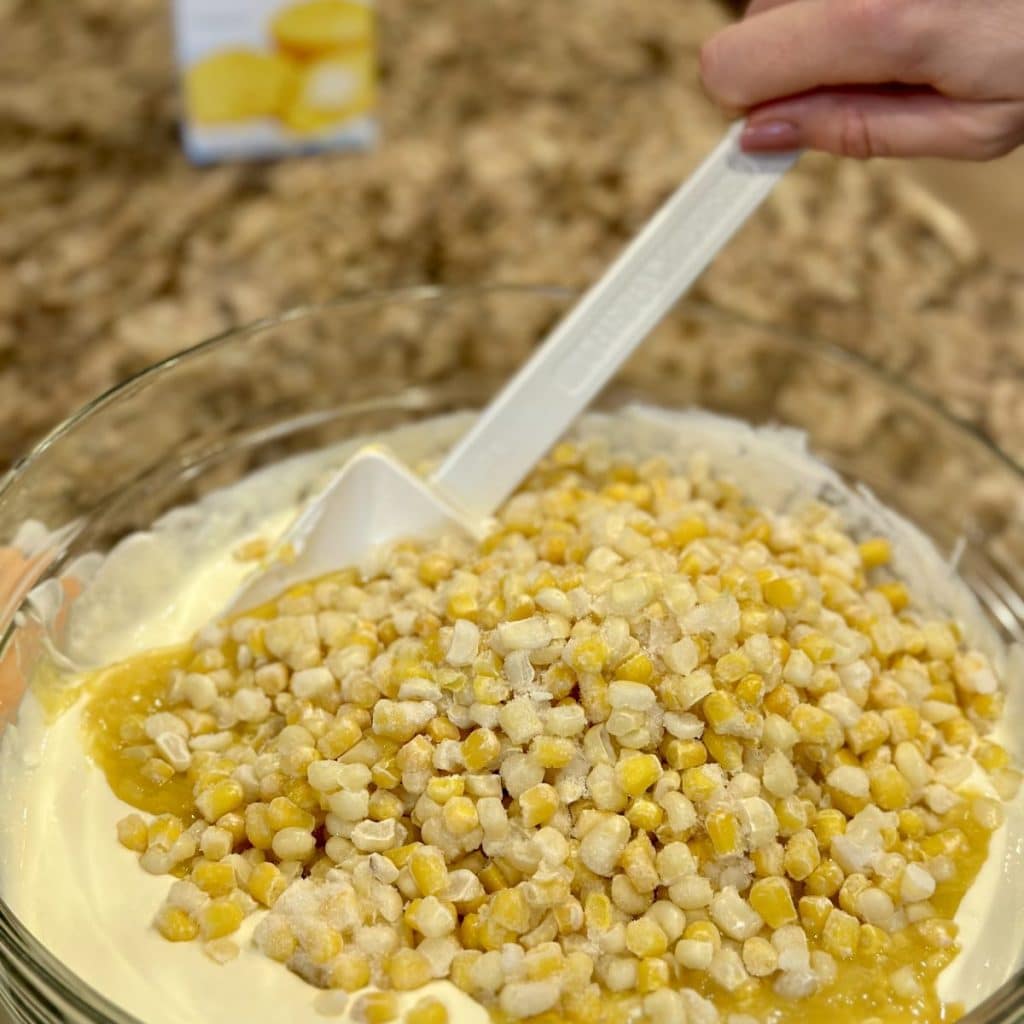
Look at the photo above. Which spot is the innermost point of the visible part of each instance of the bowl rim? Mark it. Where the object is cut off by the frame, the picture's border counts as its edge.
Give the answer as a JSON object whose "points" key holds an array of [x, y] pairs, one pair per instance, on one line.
{"points": [[435, 292], [56, 985]]}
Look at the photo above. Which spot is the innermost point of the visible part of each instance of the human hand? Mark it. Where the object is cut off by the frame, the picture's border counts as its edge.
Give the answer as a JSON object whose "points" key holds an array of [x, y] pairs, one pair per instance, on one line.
{"points": [[869, 78]]}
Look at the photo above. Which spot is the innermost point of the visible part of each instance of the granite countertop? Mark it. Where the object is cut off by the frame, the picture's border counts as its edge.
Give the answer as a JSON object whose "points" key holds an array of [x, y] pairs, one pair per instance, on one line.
{"points": [[520, 143]]}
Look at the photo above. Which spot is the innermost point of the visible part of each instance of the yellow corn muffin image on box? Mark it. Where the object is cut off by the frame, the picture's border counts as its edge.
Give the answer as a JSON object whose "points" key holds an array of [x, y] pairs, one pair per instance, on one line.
{"points": [[266, 78], [323, 26]]}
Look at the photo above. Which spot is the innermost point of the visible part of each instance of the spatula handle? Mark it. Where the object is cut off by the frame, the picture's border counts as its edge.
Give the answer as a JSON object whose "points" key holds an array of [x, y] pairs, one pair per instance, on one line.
{"points": [[603, 329]]}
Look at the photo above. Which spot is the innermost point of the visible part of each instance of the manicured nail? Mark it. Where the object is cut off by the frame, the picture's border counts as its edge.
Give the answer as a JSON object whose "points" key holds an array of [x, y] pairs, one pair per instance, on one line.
{"points": [[770, 135]]}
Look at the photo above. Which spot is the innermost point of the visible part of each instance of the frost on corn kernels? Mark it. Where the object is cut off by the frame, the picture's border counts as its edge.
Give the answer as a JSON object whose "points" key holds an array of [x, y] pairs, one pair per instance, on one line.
{"points": [[643, 729]]}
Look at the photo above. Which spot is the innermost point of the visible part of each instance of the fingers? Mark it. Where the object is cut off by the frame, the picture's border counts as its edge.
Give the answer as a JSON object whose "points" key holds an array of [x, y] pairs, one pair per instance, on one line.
{"points": [[868, 124], [793, 47]]}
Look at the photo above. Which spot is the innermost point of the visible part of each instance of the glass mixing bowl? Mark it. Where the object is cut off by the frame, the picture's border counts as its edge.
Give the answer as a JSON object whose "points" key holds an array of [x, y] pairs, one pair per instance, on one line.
{"points": [[314, 376]]}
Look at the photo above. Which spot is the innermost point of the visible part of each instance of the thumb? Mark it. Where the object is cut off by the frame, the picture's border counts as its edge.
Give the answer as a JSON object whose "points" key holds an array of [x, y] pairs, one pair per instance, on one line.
{"points": [[868, 123]]}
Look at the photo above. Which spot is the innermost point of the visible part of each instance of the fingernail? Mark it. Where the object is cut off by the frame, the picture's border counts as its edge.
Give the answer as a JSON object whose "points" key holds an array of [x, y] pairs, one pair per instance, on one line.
{"points": [[760, 135]]}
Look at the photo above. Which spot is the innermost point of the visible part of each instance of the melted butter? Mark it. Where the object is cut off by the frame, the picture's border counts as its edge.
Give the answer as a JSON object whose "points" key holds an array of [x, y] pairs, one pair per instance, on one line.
{"points": [[119, 699], [861, 991]]}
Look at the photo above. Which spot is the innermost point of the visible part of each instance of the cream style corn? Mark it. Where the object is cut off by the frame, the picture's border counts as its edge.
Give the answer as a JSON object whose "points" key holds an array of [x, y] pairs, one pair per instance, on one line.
{"points": [[645, 739]]}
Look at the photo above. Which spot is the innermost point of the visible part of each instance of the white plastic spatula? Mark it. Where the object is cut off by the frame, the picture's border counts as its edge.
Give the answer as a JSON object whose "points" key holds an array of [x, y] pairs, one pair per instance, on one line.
{"points": [[374, 499]]}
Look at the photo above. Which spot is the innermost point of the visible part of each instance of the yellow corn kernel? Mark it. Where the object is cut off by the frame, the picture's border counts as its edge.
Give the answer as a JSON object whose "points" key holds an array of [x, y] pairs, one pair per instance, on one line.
{"points": [[220, 799], [340, 737], [870, 732], [215, 878], [750, 690], [792, 815], [991, 756], [732, 667], [768, 860], [132, 833], [911, 824], [376, 1008], [801, 856], [441, 788], [480, 750], [508, 908], [683, 754], [219, 917], [587, 654], [850, 891], [814, 912], [461, 972], [903, 723], [771, 898], [644, 938], [784, 592], [840, 935], [459, 816], [645, 815], [493, 936], [816, 726], [895, 593], [688, 529], [782, 700], [492, 878], [350, 971], [825, 880], [875, 552], [175, 925], [428, 1011], [721, 711], [653, 973], [552, 751], [407, 969], [164, 831], [828, 823], [266, 883], [469, 931], [704, 931], [538, 804], [429, 870], [400, 855], [637, 669], [889, 788], [546, 961], [284, 813], [959, 732], [698, 785], [597, 912], [724, 830], [817, 647], [725, 750], [636, 773], [594, 697]]}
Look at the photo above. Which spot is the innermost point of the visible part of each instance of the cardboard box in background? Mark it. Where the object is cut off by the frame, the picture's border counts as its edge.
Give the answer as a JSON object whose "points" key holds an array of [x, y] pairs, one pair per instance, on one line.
{"points": [[265, 78]]}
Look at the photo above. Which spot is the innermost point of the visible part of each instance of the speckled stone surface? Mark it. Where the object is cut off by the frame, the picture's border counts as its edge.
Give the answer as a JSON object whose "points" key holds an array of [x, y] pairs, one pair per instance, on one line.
{"points": [[521, 142]]}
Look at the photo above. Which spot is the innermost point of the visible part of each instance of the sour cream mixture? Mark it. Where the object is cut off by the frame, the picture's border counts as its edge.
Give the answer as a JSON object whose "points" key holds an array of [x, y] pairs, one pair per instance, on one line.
{"points": [[86, 898]]}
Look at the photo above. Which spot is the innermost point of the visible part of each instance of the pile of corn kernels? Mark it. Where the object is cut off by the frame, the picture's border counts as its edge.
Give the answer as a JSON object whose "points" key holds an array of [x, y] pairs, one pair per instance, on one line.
{"points": [[645, 734]]}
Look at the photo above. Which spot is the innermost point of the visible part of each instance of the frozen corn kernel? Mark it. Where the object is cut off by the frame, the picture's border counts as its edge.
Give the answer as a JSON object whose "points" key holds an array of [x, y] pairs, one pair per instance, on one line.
{"points": [[375, 1008], [132, 833], [841, 934], [644, 938], [218, 918], [604, 843], [427, 1011], [636, 773], [175, 924], [772, 900]]}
